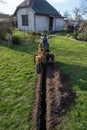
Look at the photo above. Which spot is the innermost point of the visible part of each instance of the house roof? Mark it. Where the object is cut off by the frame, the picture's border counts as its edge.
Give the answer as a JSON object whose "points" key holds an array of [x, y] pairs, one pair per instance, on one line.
{"points": [[3, 16], [24, 4], [40, 7]]}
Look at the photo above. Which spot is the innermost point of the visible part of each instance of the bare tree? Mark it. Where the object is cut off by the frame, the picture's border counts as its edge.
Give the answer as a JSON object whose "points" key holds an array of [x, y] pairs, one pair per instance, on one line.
{"points": [[77, 14], [84, 7], [2, 1], [66, 14]]}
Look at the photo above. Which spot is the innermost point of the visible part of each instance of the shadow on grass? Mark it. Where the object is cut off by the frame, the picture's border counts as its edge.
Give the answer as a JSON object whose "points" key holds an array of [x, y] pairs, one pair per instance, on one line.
{"points": [[29, 48], [78, 75]]}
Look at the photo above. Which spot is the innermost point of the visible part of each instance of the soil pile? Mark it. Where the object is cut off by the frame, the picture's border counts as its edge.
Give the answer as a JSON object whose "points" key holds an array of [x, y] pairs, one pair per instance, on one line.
{"points": [[58, 95], [52, 97]]}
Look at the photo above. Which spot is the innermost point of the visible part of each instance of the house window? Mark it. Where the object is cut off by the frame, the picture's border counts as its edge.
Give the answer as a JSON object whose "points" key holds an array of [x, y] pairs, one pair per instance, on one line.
{"points": [[25, 20]]}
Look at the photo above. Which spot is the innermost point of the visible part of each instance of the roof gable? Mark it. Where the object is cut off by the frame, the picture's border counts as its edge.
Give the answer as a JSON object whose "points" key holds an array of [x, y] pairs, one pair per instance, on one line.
{"points": [[40, 7], [24, 4], [43, 7]]}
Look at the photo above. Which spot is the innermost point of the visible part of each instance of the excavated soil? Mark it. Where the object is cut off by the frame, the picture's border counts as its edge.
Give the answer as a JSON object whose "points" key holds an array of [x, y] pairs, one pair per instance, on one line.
{"points": [[53, 96]]}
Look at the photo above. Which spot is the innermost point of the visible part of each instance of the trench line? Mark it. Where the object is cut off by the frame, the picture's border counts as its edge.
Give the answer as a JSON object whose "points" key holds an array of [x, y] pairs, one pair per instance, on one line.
{"points": [[42, 116]]}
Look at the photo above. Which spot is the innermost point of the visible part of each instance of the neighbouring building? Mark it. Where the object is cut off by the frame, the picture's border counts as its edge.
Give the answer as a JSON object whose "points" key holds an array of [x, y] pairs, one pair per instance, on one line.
{"points": [[4, 16], [70, 24], [38, 15]]}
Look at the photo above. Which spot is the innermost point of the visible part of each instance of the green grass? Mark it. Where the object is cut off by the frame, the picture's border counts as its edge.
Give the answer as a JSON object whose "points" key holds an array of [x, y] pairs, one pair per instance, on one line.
{"points": [[25, 37], [18, 79], [17, 84], [72, 56], [22, 35]]}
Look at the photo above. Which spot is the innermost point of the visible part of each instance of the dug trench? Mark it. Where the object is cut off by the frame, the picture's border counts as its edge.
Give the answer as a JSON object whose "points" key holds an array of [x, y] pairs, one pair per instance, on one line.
{"points": [[53, 97]]}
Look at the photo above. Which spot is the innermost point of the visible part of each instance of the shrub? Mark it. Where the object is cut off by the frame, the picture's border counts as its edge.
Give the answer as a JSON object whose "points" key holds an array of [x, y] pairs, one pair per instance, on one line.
{"points": [[5, 26], [86, 38], [81, 33], [33, 36], [15, 40], [80, 36], [33, 33], [75, 34], [3, 34], [68, 35]]}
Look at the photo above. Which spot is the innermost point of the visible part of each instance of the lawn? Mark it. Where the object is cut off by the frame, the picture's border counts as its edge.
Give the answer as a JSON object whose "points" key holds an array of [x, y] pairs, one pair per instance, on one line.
{"points": [[72, 56], [18, 79], [17, 84]]}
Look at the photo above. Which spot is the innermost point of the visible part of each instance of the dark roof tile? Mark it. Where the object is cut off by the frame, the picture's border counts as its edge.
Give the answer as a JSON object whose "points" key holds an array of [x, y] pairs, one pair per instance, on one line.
{"points": [[40, 7], [24, 3]]}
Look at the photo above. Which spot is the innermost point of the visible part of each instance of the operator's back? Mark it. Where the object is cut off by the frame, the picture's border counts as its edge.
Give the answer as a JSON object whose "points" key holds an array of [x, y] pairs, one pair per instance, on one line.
{"points": [[45, 44]]}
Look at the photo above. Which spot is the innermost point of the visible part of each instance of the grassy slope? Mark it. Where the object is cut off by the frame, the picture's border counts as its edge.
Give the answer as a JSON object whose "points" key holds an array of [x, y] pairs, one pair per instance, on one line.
{"points": [[18, 77], [72, 56], [17, 82]]}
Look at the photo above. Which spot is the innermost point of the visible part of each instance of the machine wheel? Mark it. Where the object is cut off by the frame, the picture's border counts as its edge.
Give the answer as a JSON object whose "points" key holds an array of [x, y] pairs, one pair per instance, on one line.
{"points": [[50, 58], [38, 67]]}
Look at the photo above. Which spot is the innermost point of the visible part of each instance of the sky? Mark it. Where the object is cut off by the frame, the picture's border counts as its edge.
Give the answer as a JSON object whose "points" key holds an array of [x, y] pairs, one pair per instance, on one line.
{"points": [[61, 5]]}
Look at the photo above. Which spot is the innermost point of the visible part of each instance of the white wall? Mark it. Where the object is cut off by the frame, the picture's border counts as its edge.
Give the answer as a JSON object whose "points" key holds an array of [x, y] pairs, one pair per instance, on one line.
{"points": [[42, 22], [23, 11], [59, 24], [54, 25], [38, 22]]}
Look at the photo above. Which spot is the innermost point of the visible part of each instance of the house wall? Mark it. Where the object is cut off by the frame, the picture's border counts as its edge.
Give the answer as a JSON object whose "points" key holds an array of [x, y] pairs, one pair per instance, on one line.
{"points": [[54, 24], [38, 22], [59, 24], [23, 11], [42, 22]]}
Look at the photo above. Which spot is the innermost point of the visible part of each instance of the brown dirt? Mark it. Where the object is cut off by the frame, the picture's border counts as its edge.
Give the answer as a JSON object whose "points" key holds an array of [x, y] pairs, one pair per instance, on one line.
{"points": [[59, 96], [36, 111]]}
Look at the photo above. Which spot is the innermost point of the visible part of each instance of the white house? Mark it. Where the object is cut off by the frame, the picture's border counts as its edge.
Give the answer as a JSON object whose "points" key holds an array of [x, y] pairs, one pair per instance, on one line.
{"points": [[38, 15]]}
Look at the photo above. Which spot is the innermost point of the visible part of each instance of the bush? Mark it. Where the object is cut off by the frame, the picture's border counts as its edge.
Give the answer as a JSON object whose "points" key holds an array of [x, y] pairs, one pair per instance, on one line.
{"points": [[68, 35], [81, 33], [33, 36], [33, 33], [75, 34], [3, 34], [85, 38], [15, 40], [80, 36], [5, 26]]}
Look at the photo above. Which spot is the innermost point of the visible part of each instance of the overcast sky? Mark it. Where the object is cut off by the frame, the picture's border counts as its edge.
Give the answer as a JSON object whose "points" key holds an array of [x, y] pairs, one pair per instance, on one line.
{"points": [[61, 5]]}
